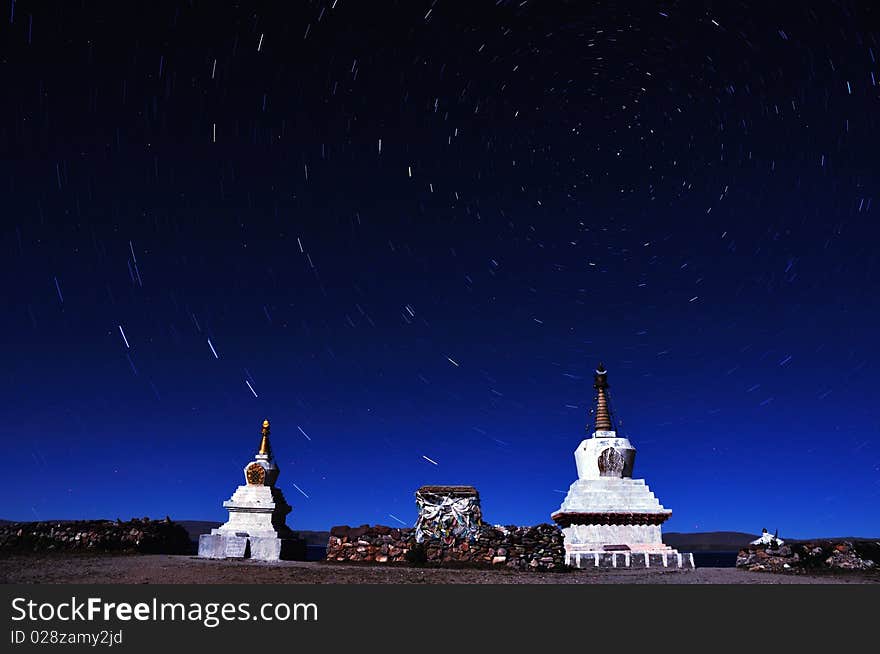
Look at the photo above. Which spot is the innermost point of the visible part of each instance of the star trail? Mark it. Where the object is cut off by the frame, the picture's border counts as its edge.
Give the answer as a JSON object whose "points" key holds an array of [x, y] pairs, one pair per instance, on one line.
{"points": [[407, 232]]}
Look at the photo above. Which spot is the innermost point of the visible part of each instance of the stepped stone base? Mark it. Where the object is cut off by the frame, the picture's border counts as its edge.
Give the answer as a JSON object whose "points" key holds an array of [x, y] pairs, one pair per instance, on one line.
{"points": [[258, 511], [612, 495], [256, 528], [659, 560], [615, 522]]}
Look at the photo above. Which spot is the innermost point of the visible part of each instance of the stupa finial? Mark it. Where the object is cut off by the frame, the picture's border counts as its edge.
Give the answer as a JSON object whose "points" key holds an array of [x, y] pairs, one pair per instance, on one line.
{"points": [[264, 443], [603, 414]]}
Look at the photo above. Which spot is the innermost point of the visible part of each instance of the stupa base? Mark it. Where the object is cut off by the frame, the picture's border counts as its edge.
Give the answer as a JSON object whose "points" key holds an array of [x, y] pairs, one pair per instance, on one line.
{"points": [[257, 548], [658, 559]]}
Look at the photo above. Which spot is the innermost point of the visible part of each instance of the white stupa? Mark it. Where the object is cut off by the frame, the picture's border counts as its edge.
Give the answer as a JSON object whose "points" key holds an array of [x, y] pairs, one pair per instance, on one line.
{"points": [[608, 518], [768, 539], [257, 527]]}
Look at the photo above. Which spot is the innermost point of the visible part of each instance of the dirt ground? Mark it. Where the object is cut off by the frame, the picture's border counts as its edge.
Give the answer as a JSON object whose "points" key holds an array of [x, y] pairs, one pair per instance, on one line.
{"points": [[164, 569]]}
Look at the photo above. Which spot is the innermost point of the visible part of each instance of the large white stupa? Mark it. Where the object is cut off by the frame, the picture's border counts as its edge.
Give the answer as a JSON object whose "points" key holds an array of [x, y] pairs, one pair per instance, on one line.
{"points": [[257, 527], [608, 518]]}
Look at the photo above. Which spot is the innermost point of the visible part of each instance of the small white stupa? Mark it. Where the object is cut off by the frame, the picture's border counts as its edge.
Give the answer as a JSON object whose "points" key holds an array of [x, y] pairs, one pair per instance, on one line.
{"points": [[608, 518], [768, 539], [256, 527]]}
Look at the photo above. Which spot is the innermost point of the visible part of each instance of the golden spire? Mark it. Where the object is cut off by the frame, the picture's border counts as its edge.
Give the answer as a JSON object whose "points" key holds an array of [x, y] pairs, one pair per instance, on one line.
{"points": [[264, 443], [603, 414]]}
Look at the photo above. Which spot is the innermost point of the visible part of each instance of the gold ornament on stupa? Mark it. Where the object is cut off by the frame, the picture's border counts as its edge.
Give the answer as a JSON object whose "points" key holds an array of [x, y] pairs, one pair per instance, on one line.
{"points": [[264, 443]]}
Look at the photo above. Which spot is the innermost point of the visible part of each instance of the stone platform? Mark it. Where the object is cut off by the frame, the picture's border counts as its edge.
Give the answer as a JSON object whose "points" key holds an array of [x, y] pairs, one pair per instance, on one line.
{"points": [[604, 559], [225, 546]]}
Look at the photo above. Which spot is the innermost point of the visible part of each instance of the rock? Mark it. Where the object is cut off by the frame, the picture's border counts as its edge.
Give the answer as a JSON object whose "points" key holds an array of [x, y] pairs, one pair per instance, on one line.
{"points": [[491, 546], [842, 555], [163, 536], [756, 568]]}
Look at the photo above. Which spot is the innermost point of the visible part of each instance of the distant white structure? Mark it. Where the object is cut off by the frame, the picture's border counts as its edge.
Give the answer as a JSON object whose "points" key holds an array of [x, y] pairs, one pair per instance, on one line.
{"points": [[608, 518], [768, 539]]}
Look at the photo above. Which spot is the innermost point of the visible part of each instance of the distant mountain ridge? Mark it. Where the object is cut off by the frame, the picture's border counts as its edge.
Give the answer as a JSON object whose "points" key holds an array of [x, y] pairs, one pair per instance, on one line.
{"points": [[729, 541]]}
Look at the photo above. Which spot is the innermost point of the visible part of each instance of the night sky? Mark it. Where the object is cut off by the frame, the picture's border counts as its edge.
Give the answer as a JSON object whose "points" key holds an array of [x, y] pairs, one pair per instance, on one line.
{"points": [[407, 232]]}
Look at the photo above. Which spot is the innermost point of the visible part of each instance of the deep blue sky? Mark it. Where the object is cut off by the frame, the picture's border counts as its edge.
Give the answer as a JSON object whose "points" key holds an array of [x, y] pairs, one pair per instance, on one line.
{"points": [[349, 197]]}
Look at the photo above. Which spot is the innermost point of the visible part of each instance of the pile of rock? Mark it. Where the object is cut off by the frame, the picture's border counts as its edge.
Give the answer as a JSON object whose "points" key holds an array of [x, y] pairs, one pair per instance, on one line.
{"points": [[136, 535], [537, 548], [846, 556], [811, 555], [761, 557], [378, 543]]}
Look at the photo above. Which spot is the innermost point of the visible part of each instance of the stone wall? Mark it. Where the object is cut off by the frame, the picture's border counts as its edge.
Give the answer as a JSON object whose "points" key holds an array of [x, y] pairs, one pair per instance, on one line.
{"points": [[519, 548], [136, 535]]}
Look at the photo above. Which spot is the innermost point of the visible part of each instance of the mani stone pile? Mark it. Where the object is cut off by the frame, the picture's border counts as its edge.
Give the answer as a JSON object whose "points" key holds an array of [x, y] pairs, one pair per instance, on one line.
{"points": [[450, 532], [537, 548], [136, 535], [809, 556]]}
